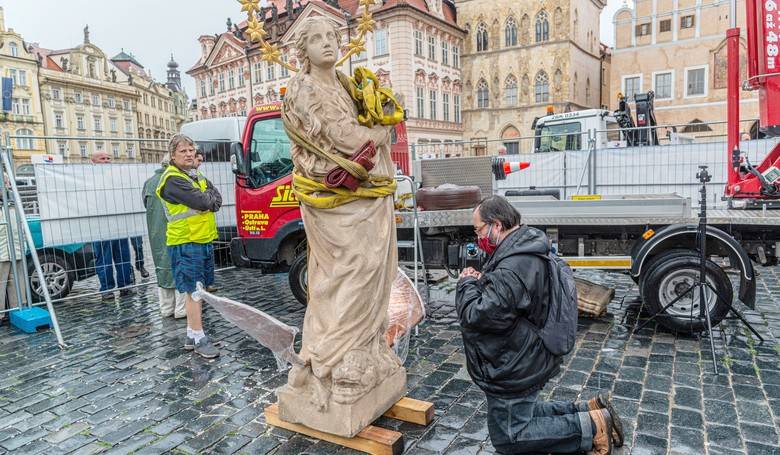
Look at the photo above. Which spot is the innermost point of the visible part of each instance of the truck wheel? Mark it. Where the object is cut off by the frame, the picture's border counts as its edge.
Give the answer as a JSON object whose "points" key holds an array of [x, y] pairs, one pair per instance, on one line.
{"points": [[671, 278], [56, 271], [298, 278], [658, 259]]}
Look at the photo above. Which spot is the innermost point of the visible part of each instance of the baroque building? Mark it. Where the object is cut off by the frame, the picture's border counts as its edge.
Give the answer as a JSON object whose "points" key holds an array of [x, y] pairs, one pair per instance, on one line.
{"points": [[415, 49], [521, 56], [22, 114], [677, 48]]}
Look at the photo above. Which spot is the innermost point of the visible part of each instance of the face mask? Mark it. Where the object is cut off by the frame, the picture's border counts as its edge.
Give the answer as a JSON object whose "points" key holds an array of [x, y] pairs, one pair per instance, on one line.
{"points": [[487, 245]]}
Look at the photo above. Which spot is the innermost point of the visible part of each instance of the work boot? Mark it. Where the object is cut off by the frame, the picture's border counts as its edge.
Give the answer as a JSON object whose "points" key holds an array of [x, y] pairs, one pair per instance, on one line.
{"points": [[126, 292], [206, 349], [602, 401], [143, 272], [602, 438]]}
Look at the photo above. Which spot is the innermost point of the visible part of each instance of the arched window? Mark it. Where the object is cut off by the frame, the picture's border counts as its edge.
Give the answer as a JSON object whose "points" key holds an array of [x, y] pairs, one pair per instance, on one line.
{"points": [[696, 126], [510, 91], [482, 37], [24, 143], [510, 32], [482, 94], [542, 27], [14, 49], [542, 88], [510, 137]]}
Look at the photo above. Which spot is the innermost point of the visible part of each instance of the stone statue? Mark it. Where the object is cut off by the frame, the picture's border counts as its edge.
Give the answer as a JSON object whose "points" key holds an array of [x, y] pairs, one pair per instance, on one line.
{"points": [[86, 34], [288, 6], [350, 376], [274, 12]]}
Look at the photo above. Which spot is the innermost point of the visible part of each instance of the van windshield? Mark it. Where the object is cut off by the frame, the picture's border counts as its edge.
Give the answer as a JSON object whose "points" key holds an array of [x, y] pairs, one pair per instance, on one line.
{"points": [[558, 137], [269, 152]]}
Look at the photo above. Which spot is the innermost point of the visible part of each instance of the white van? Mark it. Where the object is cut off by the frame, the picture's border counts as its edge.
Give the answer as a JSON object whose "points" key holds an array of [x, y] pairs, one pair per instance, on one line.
{"points": [[213, 136]]}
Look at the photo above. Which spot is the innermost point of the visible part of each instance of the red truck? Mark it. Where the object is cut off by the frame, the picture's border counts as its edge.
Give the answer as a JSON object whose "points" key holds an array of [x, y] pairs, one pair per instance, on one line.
{"points": [[270, 229]]}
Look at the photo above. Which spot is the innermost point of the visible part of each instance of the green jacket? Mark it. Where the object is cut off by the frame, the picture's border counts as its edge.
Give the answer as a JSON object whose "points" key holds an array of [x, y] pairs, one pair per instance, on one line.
{"points": [[157, 225]]}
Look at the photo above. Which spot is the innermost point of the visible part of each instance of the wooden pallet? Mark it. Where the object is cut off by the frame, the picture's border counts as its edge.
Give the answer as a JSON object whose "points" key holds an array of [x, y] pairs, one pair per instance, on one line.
{"points": [[372, 440]]}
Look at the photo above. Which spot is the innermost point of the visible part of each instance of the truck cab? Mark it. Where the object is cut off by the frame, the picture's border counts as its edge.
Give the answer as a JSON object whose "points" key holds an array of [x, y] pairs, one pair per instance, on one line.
{"points": [[569, 131]]}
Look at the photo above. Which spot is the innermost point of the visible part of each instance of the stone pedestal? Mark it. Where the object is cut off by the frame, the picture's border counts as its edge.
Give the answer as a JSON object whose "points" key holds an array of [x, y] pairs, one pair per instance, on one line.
{"points": [[345, 420]]}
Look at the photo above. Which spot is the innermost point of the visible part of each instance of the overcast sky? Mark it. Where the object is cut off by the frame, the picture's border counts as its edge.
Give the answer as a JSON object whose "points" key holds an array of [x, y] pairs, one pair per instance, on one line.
{"points": [[150, 29]]}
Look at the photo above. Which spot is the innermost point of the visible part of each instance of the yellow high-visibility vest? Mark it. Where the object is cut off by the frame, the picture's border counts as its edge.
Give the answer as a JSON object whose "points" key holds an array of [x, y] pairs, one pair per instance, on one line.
{"points": [[186, 225]]}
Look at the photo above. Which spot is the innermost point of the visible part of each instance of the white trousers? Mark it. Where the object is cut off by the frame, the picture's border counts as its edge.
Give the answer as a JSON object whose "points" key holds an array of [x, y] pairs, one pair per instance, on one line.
{"points": [[171, 303]]}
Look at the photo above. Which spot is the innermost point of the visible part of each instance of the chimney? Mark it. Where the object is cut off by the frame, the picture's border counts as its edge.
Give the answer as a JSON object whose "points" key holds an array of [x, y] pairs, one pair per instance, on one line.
{"points": [[2, 20]]}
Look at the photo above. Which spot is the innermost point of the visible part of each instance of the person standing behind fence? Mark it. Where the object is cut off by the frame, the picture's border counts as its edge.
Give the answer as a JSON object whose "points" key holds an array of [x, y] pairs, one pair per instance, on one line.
{"points": [[8, 296], [112, 254], [171, 301], [190, 202]]}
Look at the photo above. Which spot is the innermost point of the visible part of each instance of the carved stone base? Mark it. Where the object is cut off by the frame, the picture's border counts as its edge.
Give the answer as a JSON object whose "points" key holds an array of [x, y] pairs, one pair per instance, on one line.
{"points": [[345, 420]]}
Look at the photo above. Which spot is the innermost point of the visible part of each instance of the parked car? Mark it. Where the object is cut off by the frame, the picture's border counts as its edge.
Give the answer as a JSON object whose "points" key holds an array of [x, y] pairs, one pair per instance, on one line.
{"points": [[62, 265]]}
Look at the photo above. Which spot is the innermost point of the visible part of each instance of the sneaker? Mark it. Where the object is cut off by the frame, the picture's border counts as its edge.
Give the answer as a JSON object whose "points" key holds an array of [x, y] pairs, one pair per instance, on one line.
{"points": [[144, 273], [602, 439], [602, 401], [206, 349], [212, 289], [189, 343], [106, 296], [126, 292]]}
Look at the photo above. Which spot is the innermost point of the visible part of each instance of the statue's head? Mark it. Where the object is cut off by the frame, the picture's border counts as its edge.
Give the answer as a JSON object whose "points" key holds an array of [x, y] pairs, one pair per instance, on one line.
{"points": [[318, 43]]}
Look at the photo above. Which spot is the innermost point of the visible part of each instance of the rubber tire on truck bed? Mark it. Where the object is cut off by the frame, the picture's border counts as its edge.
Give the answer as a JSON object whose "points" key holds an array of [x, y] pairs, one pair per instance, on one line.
{"points": [[448, 197]]}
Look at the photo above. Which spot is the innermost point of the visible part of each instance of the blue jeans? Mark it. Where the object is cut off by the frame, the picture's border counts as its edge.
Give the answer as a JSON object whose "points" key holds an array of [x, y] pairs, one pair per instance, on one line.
{"points": [[138, 249], [527, 426], [110, 255]]}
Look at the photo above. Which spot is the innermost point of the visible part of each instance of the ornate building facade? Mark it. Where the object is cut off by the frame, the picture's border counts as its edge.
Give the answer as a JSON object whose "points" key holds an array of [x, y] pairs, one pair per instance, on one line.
{"points": [[25, 115], [82, 97], [521, 56], [678, 49], [415, 49]]}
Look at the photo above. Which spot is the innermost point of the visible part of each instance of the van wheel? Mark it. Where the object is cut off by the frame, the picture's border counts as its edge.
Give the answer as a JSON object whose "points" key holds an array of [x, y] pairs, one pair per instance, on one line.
{"points": [[675, 275], [298, 278]]}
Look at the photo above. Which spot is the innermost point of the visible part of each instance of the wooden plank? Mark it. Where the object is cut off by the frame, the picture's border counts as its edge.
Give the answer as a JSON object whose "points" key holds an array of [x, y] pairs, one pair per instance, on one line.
{"points": [[411, 410], [373, 440]]}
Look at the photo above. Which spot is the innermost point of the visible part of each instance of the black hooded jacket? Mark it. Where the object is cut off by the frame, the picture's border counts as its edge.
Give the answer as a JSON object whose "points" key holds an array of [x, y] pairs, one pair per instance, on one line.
{"points": [[504, 355]]}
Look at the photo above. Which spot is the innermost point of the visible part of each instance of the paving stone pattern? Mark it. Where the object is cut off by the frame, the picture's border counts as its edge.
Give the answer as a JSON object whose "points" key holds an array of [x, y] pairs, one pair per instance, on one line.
{"points": [[125, 385]]}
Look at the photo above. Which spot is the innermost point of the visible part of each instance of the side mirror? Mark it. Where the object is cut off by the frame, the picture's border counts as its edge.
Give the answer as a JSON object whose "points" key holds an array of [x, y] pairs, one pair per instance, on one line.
{"points": [[237, 162]]}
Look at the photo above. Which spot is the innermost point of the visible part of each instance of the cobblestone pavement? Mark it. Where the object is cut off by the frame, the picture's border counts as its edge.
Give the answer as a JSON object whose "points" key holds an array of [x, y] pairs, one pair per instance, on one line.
{"points": [[127, 386]]}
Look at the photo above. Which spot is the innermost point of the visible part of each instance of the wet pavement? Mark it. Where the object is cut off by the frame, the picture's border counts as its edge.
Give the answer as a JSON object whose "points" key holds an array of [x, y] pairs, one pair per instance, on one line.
{"points": [[125, 385]]}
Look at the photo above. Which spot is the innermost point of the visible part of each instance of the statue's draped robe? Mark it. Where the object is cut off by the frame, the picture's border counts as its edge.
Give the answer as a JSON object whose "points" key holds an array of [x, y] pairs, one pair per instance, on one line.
{"points": [[352, 258]]}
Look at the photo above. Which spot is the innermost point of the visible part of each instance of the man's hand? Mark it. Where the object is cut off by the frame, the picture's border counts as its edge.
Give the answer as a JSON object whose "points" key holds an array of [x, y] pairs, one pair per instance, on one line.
{"points": [[469, 272]]}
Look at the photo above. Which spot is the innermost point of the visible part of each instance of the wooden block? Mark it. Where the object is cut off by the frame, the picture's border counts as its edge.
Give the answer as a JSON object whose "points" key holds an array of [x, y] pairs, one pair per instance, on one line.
{"points": [[373, 440], [411, 410]]}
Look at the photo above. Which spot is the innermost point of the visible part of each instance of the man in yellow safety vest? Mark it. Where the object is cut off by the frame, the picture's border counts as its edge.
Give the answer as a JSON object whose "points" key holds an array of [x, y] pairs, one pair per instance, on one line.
{"points": [[190, 201]]}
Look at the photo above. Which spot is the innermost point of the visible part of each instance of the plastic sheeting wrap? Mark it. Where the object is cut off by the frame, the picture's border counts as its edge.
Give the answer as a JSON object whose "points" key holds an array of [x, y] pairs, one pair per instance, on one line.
{"points": [[267, 330], [405, 311]]}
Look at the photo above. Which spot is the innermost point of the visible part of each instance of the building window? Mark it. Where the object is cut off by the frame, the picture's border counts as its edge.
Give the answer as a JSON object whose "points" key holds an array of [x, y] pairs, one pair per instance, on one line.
{"points": [[510, 32], [687, 21], [115, 150], [631, 86], [59, 120], [56, 94], [12, 75], [542, 27], [456, 107], [380, 42], [211, 88], [587, 91], [80, 122], [83, 149], [15, 107], [420, 92], [99, 146], [61, 148], [445, 106], [482, 37], [510, 91], [445, 53], [418, 43], [241, 76], [126, 104], [98, 123], [221, 82], [643, 29], [258, 72], [456, 56], [542, 88], [26, 106], [665, 25], [96, 100], [23, 78], [77, 97], [431, 47], [696, 81], [146, 119], [284, 72], [662, 86], [270, 72], [111, 102], [128, 125], [154, 103], [131, 151], [112, 124], [482, 94], [25, 143], [231, 79], [202, 88], [433, 100], [14, 50]]}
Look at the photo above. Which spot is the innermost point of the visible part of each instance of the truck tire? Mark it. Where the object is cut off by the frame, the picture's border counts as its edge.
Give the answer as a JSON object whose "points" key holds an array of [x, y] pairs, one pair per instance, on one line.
{"points": [[297, 277], [673, 276], [58, 275], [654, 261]]}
